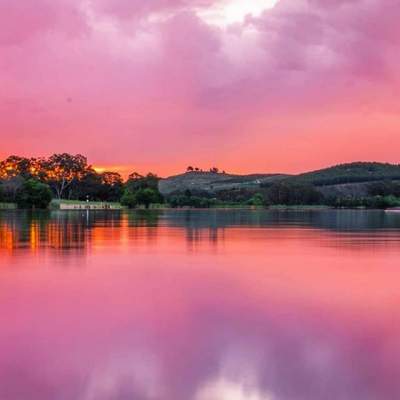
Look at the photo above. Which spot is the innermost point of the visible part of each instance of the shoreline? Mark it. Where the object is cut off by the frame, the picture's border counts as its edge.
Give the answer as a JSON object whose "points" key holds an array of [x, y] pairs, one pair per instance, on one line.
{"points": [[105, 207]]}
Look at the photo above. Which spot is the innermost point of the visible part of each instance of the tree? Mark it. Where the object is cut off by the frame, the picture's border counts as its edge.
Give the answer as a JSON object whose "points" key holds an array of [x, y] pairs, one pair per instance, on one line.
{"points": [[17, 166], [33, 194], [136, 181], [147, 196], [111, 178], [10, 188], [128, 199], [62, 169], [189, 169], [112, 186], [141, 189], [293, 193], [134, 176], [89, 186], [107, 186], [144, 197], [186, 200]]}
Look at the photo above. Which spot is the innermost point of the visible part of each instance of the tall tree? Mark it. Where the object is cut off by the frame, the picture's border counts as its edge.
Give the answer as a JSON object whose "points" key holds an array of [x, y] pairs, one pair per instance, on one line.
{"points": [[61, 170]]}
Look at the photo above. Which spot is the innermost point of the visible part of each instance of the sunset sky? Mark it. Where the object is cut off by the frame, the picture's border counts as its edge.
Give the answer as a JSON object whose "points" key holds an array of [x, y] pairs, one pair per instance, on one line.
{"points": [[245, 85]]}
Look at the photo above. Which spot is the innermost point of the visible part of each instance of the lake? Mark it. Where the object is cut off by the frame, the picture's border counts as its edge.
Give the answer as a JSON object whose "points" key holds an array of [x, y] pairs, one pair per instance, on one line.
{"points": [[200, 305]]}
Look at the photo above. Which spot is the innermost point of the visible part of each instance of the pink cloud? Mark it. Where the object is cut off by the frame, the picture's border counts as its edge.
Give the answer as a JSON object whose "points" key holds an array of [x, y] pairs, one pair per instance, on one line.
{"points": [[155, 86], [21, 21], [128, 9]]}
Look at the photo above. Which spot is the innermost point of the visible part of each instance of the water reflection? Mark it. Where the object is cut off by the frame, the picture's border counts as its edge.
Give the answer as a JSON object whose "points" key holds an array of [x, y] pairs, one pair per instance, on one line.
{"points": [[67, 230], [80, 230], [199, 305]]}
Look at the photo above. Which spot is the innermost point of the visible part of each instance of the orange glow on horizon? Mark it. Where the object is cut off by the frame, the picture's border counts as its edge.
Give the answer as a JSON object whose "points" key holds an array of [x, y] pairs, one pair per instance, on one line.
{"points": [[123, 170]]}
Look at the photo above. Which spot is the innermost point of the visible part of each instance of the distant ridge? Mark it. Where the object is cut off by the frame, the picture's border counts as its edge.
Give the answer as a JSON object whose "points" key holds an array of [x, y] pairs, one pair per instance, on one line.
{"points": [[349, 178], [355, 172]]}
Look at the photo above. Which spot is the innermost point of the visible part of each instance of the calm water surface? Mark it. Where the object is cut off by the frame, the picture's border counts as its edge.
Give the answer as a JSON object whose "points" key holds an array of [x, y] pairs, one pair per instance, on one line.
{"points": [[200, 305]]}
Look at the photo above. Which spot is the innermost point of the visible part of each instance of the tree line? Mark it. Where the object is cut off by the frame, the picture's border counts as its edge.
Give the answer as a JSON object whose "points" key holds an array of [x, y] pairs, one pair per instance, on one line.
{"points": [[213, 170], [34, 182], [379, 195]]}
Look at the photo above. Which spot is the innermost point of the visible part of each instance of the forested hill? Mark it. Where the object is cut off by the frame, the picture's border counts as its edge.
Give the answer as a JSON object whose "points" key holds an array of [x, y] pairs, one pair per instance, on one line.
{"points": [[357, 172], [348, 185], [352, 173]]}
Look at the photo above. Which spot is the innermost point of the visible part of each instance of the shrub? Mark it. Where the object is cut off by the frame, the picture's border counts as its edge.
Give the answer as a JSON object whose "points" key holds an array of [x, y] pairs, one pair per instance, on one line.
{"points": [[33, 194], [257, 200]]}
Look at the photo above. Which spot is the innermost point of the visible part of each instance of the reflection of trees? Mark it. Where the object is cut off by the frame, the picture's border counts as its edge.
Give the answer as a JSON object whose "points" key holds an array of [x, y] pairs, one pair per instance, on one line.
{"points": [[42, 229], [144, 218], [61, 230], [335, 220], [199, 225], [143, 224]]}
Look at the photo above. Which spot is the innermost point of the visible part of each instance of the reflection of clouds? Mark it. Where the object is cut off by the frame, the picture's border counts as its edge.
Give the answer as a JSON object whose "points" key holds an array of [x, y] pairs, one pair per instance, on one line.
{"points": [[135, 374], [231, 349], [252, 322], [240, 365], [223, 389]]}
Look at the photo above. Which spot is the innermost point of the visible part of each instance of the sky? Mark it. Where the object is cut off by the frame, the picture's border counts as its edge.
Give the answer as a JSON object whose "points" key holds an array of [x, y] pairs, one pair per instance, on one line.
{"points": [[244, 85]]}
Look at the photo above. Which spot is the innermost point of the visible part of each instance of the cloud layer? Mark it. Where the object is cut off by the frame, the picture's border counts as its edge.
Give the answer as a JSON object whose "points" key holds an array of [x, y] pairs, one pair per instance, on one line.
{"points": [[157, 85]]}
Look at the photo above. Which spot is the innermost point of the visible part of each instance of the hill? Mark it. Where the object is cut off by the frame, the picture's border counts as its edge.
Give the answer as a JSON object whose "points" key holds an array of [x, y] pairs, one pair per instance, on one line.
{"points": [[357, 172], [210, 182], [352, 179]]}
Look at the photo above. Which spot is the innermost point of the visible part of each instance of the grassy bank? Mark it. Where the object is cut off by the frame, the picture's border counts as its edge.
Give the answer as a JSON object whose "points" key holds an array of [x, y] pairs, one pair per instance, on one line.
{"points": [[8, 206]]}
